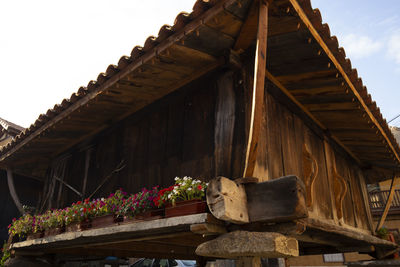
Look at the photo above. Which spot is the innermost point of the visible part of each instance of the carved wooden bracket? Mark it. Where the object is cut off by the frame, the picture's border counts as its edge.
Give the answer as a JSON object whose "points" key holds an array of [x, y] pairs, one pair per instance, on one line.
{"points": [[310, 171], [340, 190]]}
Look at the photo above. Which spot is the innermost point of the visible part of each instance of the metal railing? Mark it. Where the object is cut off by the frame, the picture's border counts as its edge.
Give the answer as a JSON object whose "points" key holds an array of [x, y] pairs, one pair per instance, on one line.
{"points": [[378, 200]]}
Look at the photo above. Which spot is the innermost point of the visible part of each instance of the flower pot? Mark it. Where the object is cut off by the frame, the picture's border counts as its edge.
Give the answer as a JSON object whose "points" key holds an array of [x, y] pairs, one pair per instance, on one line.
{"points": [[103, 221], [150, 215], [35, 235], [54, 231], [186, 207], [78, 226], [16, 239]]}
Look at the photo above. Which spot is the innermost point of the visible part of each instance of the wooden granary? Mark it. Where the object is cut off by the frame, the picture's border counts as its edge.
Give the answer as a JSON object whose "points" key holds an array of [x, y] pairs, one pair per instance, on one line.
{"points": [[238, 93]]}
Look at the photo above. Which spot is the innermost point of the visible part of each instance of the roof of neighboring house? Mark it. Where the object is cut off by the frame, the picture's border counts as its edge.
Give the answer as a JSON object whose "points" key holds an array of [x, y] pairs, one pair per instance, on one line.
{"points": [[10, 127], [396, 132], [303, 58]]}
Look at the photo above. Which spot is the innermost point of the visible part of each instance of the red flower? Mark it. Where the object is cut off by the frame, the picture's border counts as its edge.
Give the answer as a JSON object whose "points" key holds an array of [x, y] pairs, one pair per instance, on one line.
{"points": [[199, 187]]}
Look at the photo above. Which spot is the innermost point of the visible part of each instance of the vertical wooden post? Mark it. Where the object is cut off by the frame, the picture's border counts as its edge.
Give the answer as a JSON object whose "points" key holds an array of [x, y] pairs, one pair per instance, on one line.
{"points": [[258, 89], [13, 193], [388, 204], [248, 262], [87, 161]]}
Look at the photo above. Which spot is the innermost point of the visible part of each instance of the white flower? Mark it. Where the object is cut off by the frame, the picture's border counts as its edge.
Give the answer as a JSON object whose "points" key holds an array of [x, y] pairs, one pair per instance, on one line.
{"points": [[81, 209], [189, 188], [183, 184], [169, 196], [176, 178], [197, 181], [185, 178], [175, 191], [102, 199]]}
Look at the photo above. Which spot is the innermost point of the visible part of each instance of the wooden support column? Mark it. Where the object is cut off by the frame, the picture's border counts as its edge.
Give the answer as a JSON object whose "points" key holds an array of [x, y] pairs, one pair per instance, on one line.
{"points": [[388, 203], [13, 193], [248, 262], [258, 89]]}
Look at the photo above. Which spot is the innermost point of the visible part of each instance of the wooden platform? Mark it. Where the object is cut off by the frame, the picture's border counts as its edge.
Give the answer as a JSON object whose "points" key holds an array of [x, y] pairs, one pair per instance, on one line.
{"points": [[178, 237], [169, 237]]}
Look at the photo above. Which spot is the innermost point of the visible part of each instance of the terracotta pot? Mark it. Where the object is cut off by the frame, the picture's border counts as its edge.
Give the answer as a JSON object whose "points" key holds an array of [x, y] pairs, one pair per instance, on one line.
{"points": [[128, 220], [16, 239], [77, 226], [186, 207], [35, 235], [54, 231], [150, 215], [103, 221]]}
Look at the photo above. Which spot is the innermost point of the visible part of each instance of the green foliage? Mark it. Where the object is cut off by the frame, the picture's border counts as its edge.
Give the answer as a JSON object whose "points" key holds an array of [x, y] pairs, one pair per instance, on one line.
{"points": [[187, 188], [383, 233], [5, 254]]}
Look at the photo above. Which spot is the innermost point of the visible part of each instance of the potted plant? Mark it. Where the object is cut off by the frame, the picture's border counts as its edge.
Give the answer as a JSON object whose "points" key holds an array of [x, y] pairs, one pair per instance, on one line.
{"points": [[106, 212], [141, 206], [186, 197], [77, 217], [53, 222], [26, 226]]}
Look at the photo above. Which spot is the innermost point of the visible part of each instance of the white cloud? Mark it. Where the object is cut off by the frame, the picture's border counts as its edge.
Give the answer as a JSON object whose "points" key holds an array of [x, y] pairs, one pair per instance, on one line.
{"points": [[394, 47], [360, 46]]}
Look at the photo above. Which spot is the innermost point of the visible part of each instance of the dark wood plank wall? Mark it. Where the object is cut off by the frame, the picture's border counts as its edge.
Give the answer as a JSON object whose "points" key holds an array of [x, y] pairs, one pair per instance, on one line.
{"points": [[199, 131], [196, 131], [285, 137]]}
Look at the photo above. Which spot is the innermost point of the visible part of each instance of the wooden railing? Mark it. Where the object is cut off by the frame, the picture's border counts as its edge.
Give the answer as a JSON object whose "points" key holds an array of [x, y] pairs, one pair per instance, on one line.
{"points": [[378, 200]]}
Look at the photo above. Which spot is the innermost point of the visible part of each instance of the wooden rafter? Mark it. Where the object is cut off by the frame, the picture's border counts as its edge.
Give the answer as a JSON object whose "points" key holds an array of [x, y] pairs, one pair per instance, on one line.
{"points": [[306, 111], [258, 89], [338, 66], [146, 58]]}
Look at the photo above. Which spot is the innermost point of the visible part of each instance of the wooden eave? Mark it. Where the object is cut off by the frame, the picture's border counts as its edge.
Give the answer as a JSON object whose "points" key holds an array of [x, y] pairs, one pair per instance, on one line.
{"points": [[303, 60], [307, 64], [192, 47]]}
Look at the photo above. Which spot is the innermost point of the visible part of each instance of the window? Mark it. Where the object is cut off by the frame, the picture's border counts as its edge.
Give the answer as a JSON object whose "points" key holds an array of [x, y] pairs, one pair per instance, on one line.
{"points": [[337, 257]]}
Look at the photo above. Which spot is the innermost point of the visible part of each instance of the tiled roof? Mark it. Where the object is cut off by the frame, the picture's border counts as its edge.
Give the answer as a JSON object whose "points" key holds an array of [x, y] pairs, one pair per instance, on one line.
{"points": [[6, 125], [192, 46]]}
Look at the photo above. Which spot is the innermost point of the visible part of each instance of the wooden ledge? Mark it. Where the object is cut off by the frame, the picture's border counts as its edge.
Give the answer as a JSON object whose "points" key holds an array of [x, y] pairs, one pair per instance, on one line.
{"points": [[145, 230]]}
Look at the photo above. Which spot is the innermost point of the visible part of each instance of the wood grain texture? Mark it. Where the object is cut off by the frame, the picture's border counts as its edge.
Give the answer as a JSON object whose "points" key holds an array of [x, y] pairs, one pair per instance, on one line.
{"points": [[310, 168], [227, 200], [276, 200], [224, 124], [340, 190], [258, 89]]}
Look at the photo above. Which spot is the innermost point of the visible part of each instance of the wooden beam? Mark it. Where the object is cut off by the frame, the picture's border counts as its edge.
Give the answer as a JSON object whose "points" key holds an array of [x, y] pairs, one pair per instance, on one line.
{"points": [[339, 67], [227, 200], [249, 244], [388, 203], [13, 192], [248, 31], [258, 89], [277, 200]]}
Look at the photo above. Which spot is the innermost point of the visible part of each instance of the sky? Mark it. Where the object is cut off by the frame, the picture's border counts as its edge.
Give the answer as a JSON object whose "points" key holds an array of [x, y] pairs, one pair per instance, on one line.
{"points": [[49, 48]]}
